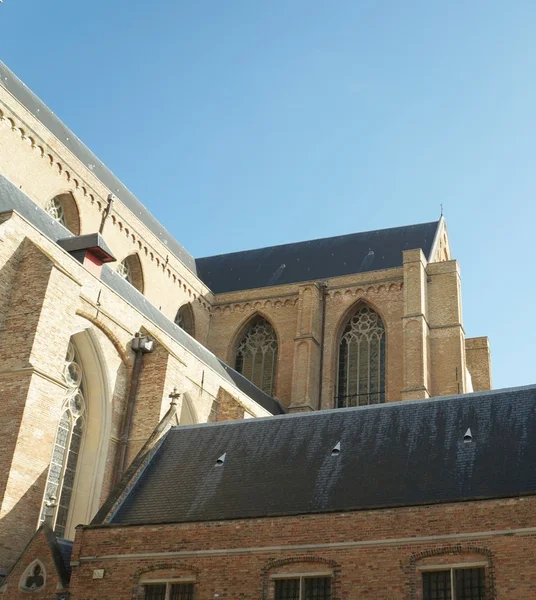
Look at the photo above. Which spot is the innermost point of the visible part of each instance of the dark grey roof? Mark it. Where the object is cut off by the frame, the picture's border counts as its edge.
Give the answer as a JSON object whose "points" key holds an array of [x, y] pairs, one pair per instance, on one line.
{"points": [[41, 112], [12, 198], [314, 259], [397, 454], [65, 548]]}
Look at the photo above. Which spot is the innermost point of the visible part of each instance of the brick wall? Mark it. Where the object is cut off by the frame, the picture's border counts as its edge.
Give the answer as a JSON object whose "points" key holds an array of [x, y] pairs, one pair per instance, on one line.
{"points": [[370, 554]]}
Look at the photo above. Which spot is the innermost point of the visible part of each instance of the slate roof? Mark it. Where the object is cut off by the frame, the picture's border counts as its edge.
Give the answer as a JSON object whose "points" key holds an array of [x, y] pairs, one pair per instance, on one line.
{"points": [[43, 114], [12, 198], [397, 454], [314, 259]]}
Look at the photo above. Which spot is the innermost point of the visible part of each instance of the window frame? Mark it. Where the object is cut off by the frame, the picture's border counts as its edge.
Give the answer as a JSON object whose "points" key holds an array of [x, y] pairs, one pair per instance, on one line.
{"points": [[452, 568], [168, 582], [345, 322], [302, 576]]}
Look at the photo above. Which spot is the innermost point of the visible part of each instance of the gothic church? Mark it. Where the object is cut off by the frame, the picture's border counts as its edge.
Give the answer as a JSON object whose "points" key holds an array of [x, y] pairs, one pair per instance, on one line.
{"points": [[305, 421]]}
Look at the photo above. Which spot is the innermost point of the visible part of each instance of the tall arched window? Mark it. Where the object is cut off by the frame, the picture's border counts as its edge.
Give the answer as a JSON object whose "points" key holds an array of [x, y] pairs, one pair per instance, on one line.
{"points": [[62, 470], [361, 373], [256, 357], [185, 319], [130, 270], [63, 208]]}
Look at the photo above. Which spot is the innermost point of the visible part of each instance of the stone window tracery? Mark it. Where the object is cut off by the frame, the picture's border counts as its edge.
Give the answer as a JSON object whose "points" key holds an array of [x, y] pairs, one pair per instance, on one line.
{"points": [[256, 357], [62, 470], [361, 372], [33, 578], [185, 319], [123, 268], [63, 209], [55, 209], [130, 270]]}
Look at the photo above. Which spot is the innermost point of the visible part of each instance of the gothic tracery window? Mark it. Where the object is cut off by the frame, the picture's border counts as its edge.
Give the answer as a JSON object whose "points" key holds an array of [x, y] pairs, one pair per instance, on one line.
{"points": [[123, 268], [62, 470], [256, 357], [54, 208], [130, 270], [361, 372], [33, 578], [185, 319], [63, 209]]}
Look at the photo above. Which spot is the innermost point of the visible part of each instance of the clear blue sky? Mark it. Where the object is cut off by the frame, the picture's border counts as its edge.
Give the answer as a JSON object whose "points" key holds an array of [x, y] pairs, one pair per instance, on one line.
{"points": [[246, 123]]}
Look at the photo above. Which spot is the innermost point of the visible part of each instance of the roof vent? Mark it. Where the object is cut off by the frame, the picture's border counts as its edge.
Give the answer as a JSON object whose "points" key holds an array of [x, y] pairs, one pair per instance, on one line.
{"points": [[336, 449], [221, 460], [468, 437]]}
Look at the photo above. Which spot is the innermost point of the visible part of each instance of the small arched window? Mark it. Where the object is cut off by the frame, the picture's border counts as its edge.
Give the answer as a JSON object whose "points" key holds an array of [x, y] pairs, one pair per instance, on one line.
{"points": [[62, 470], [185, 319], [63, 209], [256, 357], [361, 372], [130, 270]]}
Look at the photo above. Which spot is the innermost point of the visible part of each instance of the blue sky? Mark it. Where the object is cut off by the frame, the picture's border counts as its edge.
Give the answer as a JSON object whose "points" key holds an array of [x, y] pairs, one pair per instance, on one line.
{"points": [[246, 123]]}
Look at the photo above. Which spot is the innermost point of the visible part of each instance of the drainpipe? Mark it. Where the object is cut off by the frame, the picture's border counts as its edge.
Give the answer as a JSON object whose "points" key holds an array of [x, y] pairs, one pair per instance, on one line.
{"points": [[324, 291], [106, 212], [141, 345]]}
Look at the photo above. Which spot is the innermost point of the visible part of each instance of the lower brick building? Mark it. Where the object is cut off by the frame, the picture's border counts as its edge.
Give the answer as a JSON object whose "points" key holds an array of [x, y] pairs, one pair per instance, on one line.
{"points": [[423, 500]]}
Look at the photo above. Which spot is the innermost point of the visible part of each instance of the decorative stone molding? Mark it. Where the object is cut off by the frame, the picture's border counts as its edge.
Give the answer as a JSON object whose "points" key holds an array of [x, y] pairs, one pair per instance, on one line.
{"points": [[361, 291], [83, 188], [254, 306]]}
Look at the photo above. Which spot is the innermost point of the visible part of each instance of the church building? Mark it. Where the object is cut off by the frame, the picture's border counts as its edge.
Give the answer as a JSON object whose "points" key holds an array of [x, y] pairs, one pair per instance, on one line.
{"points": [[306, 421]]}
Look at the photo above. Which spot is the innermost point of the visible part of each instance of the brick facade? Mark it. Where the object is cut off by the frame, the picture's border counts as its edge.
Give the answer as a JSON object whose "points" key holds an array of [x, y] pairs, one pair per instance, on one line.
{"points": [[370, 554]]}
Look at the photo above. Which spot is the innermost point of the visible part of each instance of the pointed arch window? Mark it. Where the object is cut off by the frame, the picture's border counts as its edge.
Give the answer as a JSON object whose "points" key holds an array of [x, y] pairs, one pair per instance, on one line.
{"points": [[130, 270], [62, 470], [256, 357], [185, 319], [63, 209], [361, 372]]}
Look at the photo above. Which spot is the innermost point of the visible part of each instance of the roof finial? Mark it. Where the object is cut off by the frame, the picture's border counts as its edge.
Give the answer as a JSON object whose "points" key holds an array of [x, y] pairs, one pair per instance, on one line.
{"points": [[441, 205], [174, 396]]}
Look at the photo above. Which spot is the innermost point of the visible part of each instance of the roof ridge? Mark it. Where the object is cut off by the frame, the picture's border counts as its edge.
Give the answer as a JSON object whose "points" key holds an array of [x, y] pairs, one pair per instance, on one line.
{"points": [[382, 406], [320, 239]]}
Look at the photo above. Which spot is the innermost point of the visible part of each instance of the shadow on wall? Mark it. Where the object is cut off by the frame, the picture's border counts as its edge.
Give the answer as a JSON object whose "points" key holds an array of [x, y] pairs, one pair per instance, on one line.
{"points": [[20, 523]]}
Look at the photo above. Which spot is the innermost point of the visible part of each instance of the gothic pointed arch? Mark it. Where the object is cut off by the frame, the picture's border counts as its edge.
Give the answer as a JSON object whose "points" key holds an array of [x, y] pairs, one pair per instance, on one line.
{"points": [[131, 270], [256, 353], [76, 470], [63, 208], [361, 359], [185, 319]]}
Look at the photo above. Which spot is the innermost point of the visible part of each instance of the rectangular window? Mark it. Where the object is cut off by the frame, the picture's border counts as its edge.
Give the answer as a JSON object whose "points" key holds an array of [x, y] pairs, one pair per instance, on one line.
{"points": [[169, 591], [303, 588], [454, 584]]}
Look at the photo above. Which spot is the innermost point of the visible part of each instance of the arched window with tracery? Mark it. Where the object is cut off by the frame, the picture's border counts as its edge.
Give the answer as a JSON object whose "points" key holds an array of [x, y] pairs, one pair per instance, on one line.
{"points": [[62, 470], [361, 372], [185, 319], [63, 209], [256, 357], [130, 270]]}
